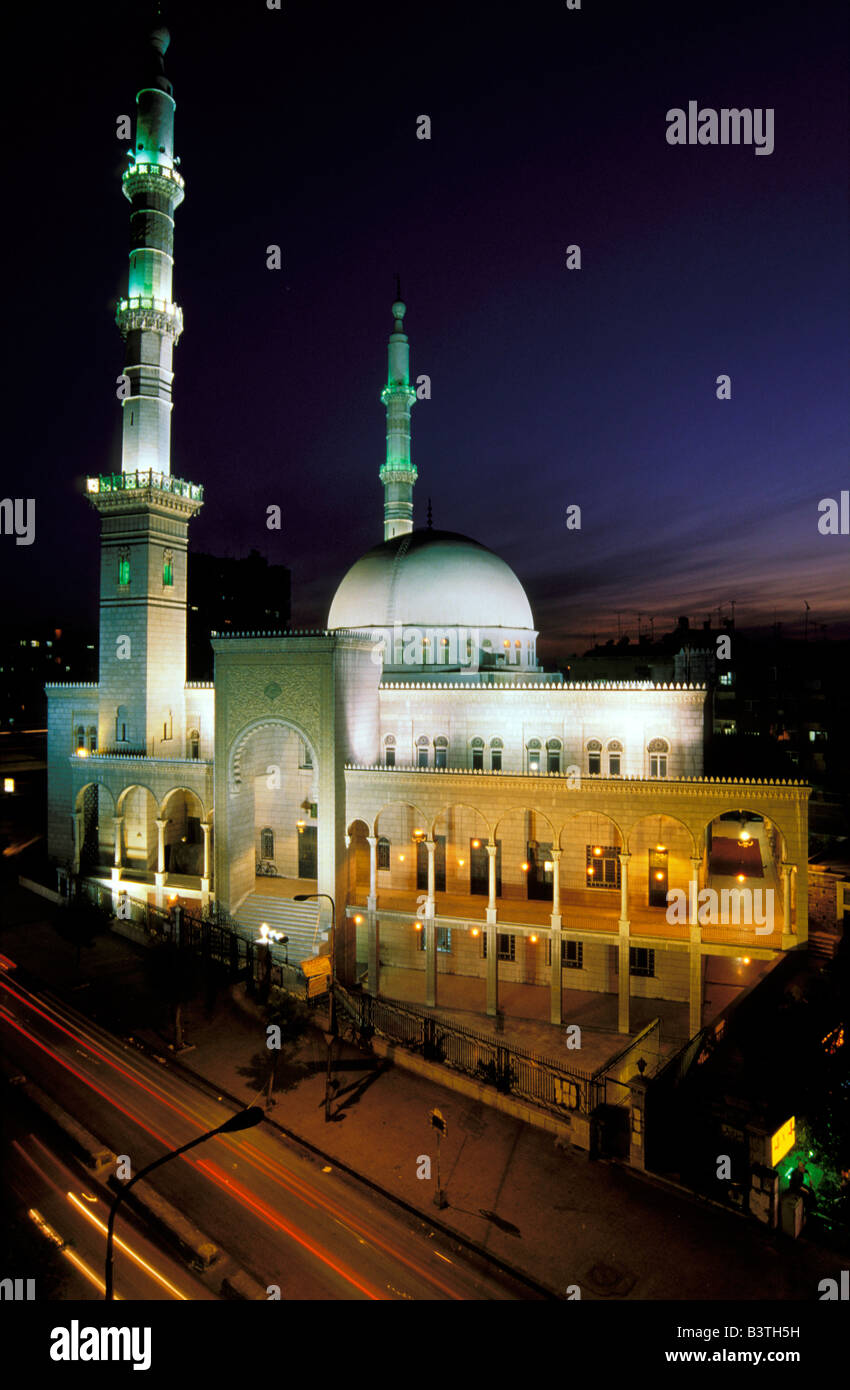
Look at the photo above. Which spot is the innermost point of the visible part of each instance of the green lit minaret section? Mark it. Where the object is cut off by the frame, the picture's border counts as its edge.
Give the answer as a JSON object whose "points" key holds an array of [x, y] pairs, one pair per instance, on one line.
{"points": [[398, 474], [144, 509]]}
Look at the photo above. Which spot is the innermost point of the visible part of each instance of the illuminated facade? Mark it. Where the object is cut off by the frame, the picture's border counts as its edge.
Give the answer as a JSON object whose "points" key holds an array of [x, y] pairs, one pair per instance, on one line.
{"points": [[471, 815]]}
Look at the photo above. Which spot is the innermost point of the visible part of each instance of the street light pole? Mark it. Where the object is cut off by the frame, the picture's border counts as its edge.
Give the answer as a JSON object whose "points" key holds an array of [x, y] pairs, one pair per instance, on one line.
{"points": [[302, 898], [243, 1119]]}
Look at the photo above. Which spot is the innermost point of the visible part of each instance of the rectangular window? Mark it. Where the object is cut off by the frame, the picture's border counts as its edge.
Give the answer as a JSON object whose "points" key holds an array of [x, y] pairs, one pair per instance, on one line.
{"points": [[496, 759], [613, 764], [572, 955], [168, 571], [478, 760], [641, 961], [306, 756], [383, 848], [602, 866], [553, 762], [443, 939], [124, 570], [440, 757], [389, 757], [422, 757], [505, 945], [658, 765], [594, 764]]}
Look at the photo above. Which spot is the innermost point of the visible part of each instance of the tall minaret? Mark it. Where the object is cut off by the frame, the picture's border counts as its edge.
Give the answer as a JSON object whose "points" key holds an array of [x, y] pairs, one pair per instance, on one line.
{"points": [[145, 511], [398, 474]]}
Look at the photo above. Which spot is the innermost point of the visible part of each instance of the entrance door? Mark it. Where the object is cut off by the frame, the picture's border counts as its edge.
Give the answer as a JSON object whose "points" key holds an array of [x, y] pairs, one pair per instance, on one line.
{"points": [[479, 868], [439, 866], [307, 853], [538, 878], [658, 878]]}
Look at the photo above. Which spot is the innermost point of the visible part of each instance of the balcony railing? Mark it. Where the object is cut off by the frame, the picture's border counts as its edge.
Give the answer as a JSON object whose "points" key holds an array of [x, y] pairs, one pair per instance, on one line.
{"points": [[143, 480]]}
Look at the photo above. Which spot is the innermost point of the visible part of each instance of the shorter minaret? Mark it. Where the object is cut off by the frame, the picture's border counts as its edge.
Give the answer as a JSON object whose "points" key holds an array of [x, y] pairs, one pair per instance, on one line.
{"points": [[398, 474]]}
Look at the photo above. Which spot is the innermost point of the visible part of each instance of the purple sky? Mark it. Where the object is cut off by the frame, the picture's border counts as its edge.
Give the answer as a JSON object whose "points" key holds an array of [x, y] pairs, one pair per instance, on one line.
{"points": [[549, 386]]}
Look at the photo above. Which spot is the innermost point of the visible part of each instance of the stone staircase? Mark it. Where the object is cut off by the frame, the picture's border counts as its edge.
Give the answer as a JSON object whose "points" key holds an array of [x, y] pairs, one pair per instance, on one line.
{"points": [[295, 920]]}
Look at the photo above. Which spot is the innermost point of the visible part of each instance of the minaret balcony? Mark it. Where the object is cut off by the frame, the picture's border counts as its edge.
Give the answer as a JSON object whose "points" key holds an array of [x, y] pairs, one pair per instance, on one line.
{"points": [[109, 491], [144, 312], [153, 178]]}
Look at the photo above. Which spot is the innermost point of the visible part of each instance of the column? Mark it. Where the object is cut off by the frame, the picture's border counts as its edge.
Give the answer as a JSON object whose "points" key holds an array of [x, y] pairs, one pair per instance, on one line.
{"points": [[77, 820], [117, 821], [694, 982], [492, 966], [115, 873], [373, 948], [205, 877], [430, 904], [555, 982], [491, 882], [693, 886], [623, 977], [800, 897], [430, 928], [785, 870], [372, 901], [159, 877]]}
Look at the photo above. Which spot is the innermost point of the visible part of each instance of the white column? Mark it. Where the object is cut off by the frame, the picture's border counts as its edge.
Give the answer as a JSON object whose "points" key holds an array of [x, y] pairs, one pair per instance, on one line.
{"points": [[372, 902], [159, 877], [431, 905], [556, 887], [117, 821], [78, 839], [205, 877], [693, 886], [491, 882], [623, 977]]}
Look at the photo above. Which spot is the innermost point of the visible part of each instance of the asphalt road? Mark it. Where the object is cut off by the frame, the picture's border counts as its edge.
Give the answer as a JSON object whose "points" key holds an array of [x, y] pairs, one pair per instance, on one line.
{"points": [[284, 1217]]}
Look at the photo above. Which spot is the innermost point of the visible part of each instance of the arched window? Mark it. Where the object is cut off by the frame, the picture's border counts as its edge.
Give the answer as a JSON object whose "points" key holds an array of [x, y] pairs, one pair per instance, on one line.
{"points": [[389, 750], [305, 757], [194, 744], [422, 746], [477, 747], [615, 753], [553, 755], [121, 724], [496, 747], [168, 568], [92, 738], [658, 750], [124, 565], [534, 754], [267, 843], [79, 738], [594, 757], [441, 752], [383, 848]]}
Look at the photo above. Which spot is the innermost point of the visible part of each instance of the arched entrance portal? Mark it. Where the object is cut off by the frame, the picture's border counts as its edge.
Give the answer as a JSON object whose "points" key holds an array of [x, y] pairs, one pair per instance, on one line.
{"points": [[273, 824]]}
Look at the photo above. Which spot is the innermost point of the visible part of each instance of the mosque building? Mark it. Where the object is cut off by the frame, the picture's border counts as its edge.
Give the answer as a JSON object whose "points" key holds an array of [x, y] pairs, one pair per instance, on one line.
{"points": [[471, 815]]}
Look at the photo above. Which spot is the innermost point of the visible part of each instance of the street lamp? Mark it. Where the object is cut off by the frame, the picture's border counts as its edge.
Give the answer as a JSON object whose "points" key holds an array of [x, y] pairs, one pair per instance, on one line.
{"points": [[303, 898], [243, 1119]]}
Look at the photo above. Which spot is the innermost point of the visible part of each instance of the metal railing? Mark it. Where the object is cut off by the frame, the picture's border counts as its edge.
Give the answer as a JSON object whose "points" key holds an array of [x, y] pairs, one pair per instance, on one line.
{"points": [[511, 1069]]}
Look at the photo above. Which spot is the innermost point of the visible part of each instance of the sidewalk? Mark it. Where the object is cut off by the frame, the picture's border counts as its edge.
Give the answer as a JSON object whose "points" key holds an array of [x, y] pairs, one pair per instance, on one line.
{"points": [[548, 1212]]}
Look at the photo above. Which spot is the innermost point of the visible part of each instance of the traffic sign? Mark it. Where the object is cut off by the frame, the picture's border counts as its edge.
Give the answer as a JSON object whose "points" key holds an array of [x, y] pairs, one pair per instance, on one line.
{"points": [[317, 965], [438, 1122]]}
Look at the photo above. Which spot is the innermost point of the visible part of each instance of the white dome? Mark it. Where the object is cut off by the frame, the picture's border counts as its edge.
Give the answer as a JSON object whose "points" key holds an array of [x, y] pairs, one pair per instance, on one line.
{"points": [[430, 579]]}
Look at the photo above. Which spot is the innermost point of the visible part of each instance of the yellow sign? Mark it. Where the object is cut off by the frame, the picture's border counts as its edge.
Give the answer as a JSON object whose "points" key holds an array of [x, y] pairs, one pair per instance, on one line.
{"points": [[318, 965], [318, 985], [782, 1141]]}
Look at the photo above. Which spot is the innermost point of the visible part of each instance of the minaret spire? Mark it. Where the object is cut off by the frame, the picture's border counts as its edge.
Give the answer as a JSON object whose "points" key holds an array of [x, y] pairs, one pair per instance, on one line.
{"points": [[149, 320], [398, 474]]}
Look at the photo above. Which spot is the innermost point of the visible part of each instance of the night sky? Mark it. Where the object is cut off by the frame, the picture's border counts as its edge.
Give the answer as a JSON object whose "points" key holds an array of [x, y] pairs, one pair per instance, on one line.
{"points": [[550, 387]]}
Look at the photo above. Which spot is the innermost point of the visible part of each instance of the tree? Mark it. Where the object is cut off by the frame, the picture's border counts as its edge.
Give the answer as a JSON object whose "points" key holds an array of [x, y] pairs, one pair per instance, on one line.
{"points": [[291, 1018]]}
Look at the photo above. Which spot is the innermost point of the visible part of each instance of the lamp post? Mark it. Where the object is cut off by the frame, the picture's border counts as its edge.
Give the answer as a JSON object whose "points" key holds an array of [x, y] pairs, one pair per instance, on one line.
{"points": [[303, 898], [243, 1119]]}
